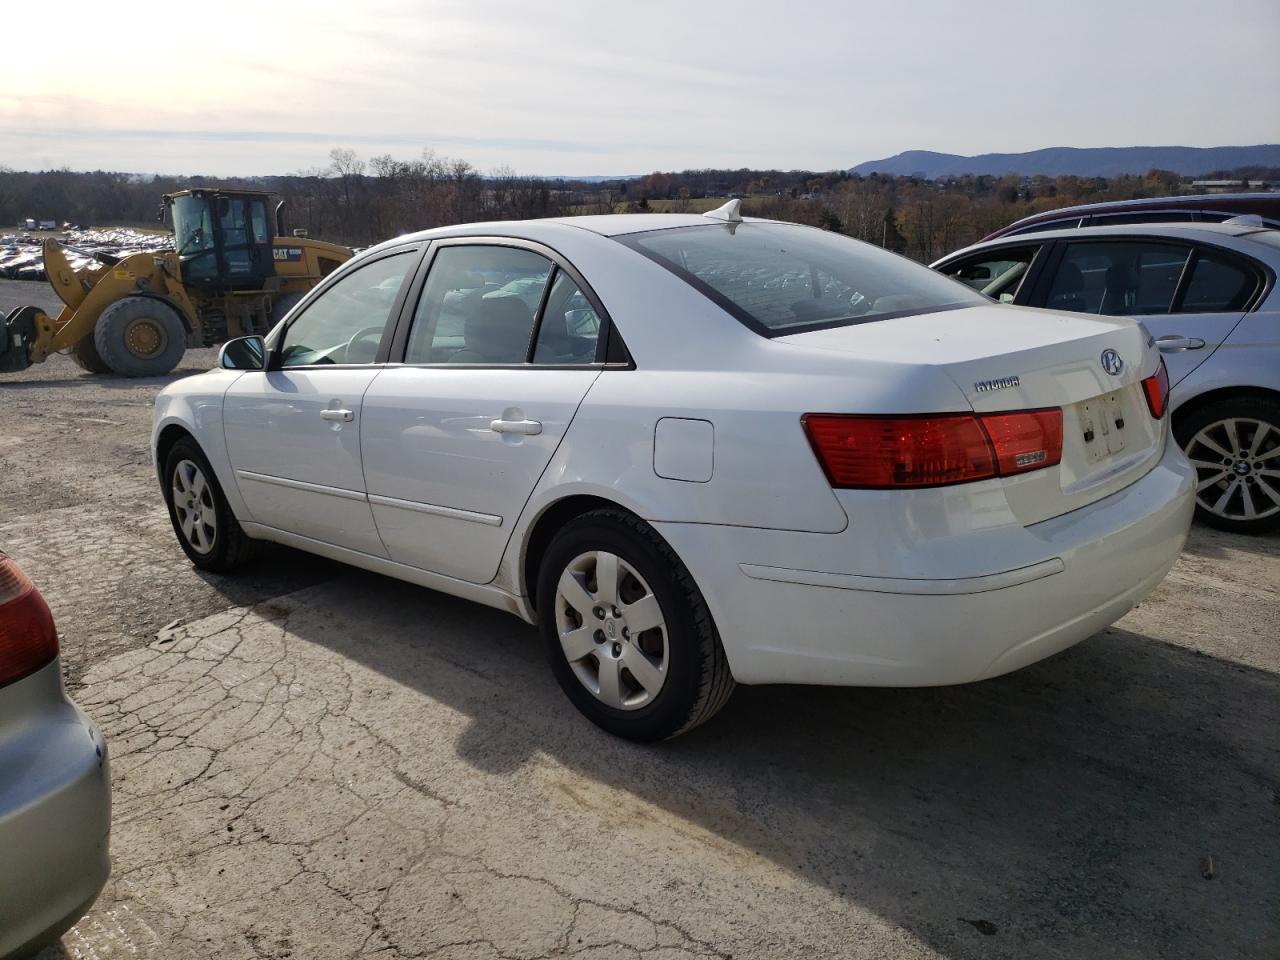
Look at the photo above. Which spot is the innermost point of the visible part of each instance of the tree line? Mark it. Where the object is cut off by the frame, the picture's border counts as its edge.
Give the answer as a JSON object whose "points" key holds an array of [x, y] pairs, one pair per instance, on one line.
{"points": [[362, 201]]}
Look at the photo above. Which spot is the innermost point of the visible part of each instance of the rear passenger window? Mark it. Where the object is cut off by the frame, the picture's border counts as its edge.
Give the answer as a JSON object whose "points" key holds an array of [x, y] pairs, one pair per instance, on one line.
{"points": [[1217, 285], [1122, 278], [570, 327], [478, 306]]}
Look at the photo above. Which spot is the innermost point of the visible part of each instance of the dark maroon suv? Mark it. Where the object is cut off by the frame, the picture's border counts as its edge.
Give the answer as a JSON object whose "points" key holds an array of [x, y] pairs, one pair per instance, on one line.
{"points": [[1205, 208]]}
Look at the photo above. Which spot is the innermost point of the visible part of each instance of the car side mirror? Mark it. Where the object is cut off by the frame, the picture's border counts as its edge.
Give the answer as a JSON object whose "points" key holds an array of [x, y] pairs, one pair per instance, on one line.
{"points": [[243, 353]]}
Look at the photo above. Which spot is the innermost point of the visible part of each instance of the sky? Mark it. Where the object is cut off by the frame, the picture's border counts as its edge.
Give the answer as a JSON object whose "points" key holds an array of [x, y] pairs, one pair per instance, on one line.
{"points": [[611, 88]]}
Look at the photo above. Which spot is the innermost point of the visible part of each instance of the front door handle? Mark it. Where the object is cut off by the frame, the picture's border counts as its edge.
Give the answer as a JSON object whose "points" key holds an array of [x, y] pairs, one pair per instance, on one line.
{"points": [[339, 416], [528, 428], [1177, 342]]}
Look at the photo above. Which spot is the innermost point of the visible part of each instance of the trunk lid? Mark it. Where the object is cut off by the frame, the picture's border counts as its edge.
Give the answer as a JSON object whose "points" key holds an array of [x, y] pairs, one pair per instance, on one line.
{"points": [[1009, 358]]}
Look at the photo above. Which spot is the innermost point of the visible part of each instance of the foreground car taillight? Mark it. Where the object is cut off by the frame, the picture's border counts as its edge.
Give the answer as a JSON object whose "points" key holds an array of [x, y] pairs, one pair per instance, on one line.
{"points": [[932, 450], [1156, 387], [28, 639]]}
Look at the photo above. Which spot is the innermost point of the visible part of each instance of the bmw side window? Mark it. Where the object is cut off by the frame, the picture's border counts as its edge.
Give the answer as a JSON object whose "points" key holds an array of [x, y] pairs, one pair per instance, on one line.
{"points": [[478, 306], [344, 324], [570, 327], [1119, 279], [998, 273], [1217, 285]]}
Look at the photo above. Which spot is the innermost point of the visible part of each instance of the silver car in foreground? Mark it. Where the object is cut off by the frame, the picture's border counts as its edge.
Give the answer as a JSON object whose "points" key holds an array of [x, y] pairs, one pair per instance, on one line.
{"points": [[55, 799], [1207, 293]]}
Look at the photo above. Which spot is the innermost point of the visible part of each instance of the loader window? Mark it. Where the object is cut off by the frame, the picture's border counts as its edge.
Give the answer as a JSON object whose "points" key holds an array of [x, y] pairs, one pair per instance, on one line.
{"points": [[193, 234], [344, 324]]}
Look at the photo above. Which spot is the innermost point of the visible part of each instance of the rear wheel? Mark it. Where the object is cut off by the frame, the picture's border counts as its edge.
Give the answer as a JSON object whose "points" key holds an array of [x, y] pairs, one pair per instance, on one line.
{"points": [[209, 533], [626, 630], [86, 357], [140, 337], [1234, 444]]}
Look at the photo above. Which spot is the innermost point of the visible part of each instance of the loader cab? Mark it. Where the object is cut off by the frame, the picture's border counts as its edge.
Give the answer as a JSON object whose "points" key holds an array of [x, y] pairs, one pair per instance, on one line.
{"points": [[223, 238]]}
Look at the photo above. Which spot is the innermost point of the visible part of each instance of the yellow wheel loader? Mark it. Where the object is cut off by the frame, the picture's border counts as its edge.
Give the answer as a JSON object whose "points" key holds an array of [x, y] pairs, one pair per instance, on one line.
{"points": [[232, 273]]}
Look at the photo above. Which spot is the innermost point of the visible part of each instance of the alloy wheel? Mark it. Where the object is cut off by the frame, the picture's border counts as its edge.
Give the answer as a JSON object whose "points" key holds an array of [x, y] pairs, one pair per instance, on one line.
{"points": [[193, 503], [612, 630], [1237, 463]]}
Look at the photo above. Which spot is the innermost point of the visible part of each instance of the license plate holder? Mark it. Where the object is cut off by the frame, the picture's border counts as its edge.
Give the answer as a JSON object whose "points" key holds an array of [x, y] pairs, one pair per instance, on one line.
{"points": [[1102, 426]]}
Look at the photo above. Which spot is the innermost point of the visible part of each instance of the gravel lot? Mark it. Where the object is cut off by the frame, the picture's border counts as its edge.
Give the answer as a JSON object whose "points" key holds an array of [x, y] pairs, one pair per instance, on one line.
{"points": [[318, 762]]}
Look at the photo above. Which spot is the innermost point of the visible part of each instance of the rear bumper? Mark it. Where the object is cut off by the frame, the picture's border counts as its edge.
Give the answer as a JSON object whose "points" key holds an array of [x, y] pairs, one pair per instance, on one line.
{"points": [[784, 619], [55, 812]]}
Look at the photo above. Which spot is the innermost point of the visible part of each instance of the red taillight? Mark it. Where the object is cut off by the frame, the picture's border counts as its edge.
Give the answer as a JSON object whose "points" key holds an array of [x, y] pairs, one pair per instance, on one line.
{"points": [[1156, 387], [932, 450], [1025, 441], [28, 640]]}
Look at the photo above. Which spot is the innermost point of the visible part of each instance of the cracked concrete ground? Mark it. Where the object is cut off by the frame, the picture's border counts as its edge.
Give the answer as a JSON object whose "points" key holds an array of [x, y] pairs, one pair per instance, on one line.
{"points": [[318, 762]]}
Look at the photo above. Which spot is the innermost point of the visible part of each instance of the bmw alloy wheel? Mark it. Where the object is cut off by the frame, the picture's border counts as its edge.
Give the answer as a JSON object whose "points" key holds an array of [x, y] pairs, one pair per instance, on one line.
{"points": [[612, 630], [1237, 463]]}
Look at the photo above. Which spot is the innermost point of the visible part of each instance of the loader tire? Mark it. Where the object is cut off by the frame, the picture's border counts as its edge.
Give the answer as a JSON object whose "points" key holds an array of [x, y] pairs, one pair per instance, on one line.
{"points": [[140, 337], [283, 304], [86, 356]]}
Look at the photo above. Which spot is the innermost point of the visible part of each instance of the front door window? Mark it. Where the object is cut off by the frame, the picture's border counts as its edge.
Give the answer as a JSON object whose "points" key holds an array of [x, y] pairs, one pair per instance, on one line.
{"points": [[344, 324], [997, 273]]}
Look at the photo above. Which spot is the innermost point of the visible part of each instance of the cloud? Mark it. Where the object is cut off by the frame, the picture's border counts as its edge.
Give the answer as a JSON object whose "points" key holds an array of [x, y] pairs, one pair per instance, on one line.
{"points": [[606, 87]]}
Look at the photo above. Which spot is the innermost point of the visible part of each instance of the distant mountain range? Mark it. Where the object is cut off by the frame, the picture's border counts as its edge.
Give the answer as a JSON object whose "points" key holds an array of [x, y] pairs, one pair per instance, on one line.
{"points": [[1076, 161]]}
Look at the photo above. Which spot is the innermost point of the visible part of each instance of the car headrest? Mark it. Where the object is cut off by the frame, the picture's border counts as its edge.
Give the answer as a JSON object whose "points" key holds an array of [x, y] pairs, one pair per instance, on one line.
{"points": [[499, 330], [1068, 281]]}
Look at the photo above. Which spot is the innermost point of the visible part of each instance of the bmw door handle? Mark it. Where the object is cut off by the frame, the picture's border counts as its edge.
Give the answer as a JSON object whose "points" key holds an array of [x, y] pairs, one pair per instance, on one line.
{"points": [[1176, 343], [528, 428], [338, 416]]}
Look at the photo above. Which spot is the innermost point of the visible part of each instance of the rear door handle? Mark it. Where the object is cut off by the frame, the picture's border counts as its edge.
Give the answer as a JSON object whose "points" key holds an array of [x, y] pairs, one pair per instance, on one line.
{"points": [[1176, 342], [340, 416], [528, 428]]}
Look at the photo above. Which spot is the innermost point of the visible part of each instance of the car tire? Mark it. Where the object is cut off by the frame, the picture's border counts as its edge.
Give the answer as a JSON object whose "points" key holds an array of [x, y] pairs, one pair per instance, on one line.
{"points": [[85, 355], [1234, 483], [687, 679], [140, 337], [207, 530]]}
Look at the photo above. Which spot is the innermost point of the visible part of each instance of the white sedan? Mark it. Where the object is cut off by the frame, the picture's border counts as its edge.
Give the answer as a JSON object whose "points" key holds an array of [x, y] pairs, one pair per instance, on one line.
{"points": [[695, 450]]}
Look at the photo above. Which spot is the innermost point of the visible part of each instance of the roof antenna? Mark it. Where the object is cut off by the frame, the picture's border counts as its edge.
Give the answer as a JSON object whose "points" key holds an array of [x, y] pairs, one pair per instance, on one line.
{"points": [[728, 213]]}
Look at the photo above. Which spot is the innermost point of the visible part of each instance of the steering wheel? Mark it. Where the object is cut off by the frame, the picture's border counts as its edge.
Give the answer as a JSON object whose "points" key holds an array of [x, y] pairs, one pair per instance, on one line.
{"points": [[357, 336]]}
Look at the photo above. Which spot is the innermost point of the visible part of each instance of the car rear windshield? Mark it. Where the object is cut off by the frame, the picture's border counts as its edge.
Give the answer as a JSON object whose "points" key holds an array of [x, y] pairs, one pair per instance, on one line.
{"points": [[781, 278]]}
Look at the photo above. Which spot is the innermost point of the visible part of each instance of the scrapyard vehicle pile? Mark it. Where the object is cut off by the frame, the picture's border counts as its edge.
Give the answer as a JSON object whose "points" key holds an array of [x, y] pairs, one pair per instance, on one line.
{"points": [[22, 258]]}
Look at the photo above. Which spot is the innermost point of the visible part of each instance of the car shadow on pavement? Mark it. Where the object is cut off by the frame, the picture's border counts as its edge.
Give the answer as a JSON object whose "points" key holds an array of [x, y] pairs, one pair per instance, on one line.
{"points": [[1214, 544], [1120, 797]]}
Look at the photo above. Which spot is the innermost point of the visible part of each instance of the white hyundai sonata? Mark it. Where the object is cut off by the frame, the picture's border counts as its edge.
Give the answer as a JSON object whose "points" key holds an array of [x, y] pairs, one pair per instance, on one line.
{"points": [[695, 450]]}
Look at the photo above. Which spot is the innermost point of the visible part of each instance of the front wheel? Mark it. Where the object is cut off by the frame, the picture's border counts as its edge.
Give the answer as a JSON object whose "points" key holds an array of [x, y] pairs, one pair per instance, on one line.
{"points": [[1234, 445], [627, 632], [207, 530], [140, 337]]}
